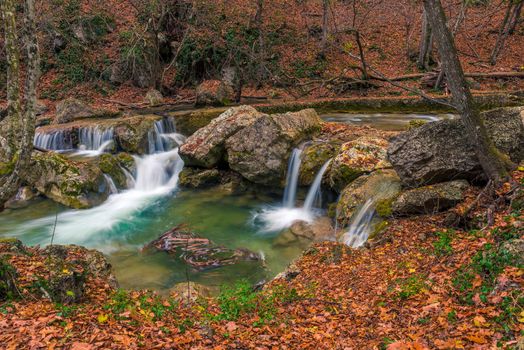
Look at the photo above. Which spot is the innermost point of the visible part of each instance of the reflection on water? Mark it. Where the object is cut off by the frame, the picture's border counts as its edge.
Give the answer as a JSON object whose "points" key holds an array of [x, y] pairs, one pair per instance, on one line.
{"points": [[383, 121], [214, 214]]}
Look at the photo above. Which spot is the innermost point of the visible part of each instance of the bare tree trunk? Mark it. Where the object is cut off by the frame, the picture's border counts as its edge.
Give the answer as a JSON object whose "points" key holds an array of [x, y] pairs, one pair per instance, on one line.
{"points": [[17, 129], [512, 14], [516, 18], [325, 29], [490, 158], [426, 43], [261, 43]]}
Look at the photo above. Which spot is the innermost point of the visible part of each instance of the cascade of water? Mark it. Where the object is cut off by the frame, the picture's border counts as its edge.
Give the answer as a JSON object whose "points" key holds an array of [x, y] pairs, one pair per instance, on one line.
{"points": [[361, 225], [94, 137], [111, 184], [293, 170], [315, 195], [90, 153], [130, 180], [54, 140], [160, 139]]}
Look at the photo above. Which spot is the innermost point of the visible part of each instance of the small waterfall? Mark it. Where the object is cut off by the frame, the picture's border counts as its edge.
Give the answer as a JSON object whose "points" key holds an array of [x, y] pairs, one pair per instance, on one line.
{"points": [[315, 195], [130, 180], [293, 171], [59, 140], [94, 137], [161, 138], [90, 153], [361, 225], [111, 184]]}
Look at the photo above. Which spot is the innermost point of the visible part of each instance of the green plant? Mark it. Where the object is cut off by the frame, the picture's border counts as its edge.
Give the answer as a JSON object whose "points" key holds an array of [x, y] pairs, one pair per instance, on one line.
{"points": [[233, 301], [411, 286], [452, 316], [442, 245], [7, 280]]}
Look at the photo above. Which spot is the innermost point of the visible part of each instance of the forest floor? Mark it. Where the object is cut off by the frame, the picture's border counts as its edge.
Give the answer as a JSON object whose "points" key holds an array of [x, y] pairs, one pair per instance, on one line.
{"points": [[421, 285]]}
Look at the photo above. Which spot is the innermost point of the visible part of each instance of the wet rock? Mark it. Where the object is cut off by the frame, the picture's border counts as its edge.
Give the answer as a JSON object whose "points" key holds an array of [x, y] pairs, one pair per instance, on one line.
{"points": [[73, 109], [313, 157], [189, 292], [206, 147], [260, 151], [199, 253], [22, 198], [154, 97], [131, 134], [73, 184], [214, 93], [382, 185], [188, 123], [320, 230], [198, 178], [440, 151], [356, 158], [515, 247], [430, 199], [114, 165]]}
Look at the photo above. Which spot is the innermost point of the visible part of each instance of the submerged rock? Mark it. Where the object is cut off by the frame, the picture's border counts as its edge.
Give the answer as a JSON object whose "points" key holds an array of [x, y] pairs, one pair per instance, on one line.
{"points": [[189, 292], [200, 253], [356, 158], [206, 147], [440, 151], [260, 151], [383, 186], [214, 93], [430, 199], [73, 184], [313, 157], [320, 230], [198, 178]]}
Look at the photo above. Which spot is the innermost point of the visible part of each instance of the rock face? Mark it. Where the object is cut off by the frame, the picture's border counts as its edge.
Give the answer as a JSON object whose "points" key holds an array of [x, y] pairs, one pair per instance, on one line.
{"points": [[259, 152], [355, 158], [73, 184], [198, 178], [382, 185], [73, 109], [440, 151], [22, 198], [320, 230], [214, 93], [313, 157], [206, 147], [430, 199]]}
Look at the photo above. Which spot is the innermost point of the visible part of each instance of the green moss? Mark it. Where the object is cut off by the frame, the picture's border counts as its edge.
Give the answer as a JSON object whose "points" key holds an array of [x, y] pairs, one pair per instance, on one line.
{"points": [[416, 123], [8, 167], [384, 207], [378, 229]]}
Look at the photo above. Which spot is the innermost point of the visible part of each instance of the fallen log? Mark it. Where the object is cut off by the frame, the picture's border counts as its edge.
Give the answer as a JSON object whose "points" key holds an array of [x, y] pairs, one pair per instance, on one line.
{"points": [[468, 75]]}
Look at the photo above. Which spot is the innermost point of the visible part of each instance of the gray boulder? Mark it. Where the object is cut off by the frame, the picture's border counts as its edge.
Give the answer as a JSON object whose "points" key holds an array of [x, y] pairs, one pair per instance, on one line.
{"points": [[73, 109], [154, 97], [214, 93], [206, 147], [260, 151], [440, 151], [430, 199]]}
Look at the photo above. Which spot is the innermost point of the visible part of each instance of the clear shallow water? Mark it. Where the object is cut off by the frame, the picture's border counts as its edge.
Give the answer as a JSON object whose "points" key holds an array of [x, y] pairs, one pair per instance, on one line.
{"points": [[383, 121], [219, 216]]}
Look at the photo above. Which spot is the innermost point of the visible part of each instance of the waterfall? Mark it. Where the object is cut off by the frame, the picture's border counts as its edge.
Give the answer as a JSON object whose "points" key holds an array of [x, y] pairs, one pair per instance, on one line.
{"points": [[130, 180], [54, 140], [361, 225], [315, 194], [156, 177], [293, 171], [111, 184], [160, 139], [94, 153], [94, 137]]}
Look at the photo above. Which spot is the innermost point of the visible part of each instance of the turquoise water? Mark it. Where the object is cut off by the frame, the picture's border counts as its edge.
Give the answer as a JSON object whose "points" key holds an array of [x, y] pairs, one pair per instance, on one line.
{"points": [[214, 214]]}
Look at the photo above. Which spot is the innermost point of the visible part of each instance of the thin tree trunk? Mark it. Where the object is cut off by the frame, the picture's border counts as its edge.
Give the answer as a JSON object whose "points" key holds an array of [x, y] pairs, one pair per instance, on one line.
{"points": [[503, 34], [365, 75], [490, 158], [426, 43], [19, 125], [516, 18], [261, 42], [325, 29]]}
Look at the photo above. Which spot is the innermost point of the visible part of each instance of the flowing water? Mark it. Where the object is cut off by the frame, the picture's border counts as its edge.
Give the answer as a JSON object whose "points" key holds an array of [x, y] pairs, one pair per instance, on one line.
{"points": [[361, 225], [384, 121]]}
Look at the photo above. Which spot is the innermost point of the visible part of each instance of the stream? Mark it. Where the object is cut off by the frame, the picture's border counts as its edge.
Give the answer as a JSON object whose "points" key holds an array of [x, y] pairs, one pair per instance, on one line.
{"points": [[153, 204]]}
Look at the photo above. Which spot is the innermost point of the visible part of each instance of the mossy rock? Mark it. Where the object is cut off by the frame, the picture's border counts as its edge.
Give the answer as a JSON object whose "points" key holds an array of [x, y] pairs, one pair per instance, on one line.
{"points": [[113, 166], [355, 158], [314, 157], [132, 133], [187, 123], [416, 123], [198, 178]]}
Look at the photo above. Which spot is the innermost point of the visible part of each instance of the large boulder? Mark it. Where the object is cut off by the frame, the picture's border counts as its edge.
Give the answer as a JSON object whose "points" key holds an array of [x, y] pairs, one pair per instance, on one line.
{"points": [[314, 156], [214, 93], [71, 183], [430, 199], [302, 232], [440, 151], [206, 147], [132, 134], [260, 151], [383, 186], [355, 158], [22, 198]]}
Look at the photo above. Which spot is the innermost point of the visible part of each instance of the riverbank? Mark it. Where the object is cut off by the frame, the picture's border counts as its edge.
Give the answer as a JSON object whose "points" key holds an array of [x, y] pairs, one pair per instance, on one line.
{"points": [[422, 285]]}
